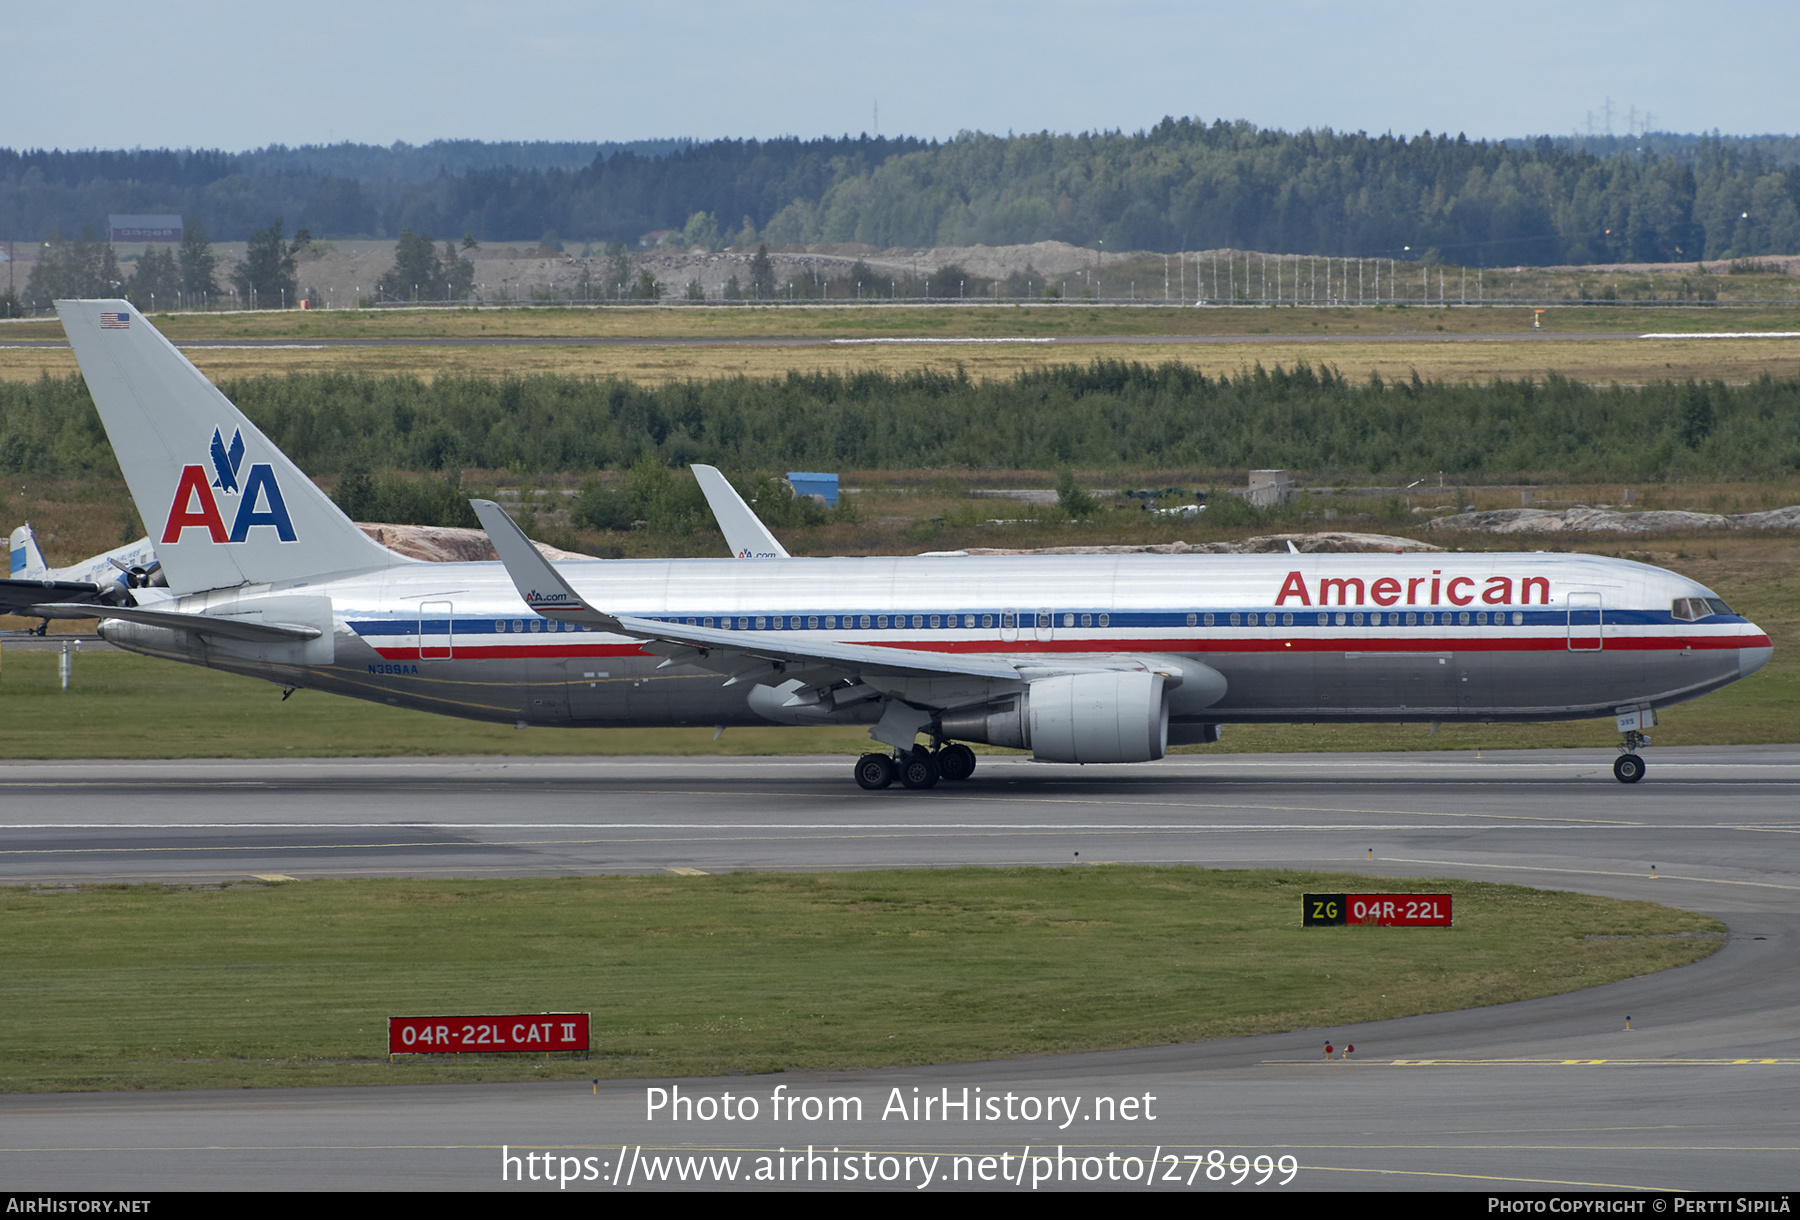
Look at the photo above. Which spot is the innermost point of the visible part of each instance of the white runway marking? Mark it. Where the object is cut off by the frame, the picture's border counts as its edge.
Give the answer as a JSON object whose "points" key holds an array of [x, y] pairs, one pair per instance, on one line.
{"points": [[1730, 334], [866, 342]]}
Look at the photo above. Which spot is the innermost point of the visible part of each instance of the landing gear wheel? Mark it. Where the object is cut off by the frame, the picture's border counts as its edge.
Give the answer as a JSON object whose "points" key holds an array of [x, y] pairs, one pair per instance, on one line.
{"points": [[918, 770], [874, 771], [1628, 769], [956, 762]]}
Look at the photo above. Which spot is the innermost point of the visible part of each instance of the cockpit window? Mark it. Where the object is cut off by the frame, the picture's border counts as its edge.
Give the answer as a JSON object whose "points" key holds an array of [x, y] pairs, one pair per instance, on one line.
{"points": [[1688, 609]]}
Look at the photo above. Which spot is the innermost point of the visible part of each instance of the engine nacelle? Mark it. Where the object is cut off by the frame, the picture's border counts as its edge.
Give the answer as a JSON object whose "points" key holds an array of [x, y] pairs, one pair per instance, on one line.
{"points": [[1115, 716]]}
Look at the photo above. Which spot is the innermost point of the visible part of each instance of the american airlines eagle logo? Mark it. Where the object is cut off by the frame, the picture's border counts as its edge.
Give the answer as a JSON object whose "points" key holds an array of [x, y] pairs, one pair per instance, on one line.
{"points": [[258, 496], [226, 461]]}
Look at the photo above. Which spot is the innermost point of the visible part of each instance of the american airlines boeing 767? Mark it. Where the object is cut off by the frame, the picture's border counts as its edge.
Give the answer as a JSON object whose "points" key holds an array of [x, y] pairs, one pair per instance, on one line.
{"points": [[1075, 658]]}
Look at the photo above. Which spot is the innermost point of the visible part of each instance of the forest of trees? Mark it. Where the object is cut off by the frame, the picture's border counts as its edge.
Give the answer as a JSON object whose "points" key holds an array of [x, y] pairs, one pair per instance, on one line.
{"points": [[1100, 415], [1183, 184]]}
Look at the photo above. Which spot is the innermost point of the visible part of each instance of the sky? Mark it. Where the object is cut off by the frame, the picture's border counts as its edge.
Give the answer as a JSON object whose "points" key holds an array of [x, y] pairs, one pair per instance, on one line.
{"points": [[203, 74]]}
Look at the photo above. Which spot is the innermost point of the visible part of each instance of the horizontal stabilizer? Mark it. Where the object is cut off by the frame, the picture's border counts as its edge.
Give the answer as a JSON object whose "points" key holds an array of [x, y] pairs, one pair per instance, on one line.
{"points": [[205, 624], [16, 596]]}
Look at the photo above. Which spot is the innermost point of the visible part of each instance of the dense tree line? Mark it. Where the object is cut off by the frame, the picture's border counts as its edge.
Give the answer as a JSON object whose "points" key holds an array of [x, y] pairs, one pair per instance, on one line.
{"points": [[618, 193], [1183, 184], [1095, 416]]}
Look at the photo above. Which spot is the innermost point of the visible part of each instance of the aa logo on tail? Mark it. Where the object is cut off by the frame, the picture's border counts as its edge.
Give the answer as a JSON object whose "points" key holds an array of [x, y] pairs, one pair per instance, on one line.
{"points": [[259, 499]]}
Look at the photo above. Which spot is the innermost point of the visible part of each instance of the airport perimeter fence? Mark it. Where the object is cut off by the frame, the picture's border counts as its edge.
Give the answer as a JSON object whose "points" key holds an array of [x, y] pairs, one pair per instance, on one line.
{"points": [[1522, 303]]}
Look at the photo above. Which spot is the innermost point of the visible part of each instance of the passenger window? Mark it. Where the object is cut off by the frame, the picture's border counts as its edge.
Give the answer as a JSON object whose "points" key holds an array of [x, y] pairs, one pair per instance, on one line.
{"points": [[987, 620], [1287, 620], [1209, 619], [936, 620], [1237, 620], [1193, 621], [1105, 620]]}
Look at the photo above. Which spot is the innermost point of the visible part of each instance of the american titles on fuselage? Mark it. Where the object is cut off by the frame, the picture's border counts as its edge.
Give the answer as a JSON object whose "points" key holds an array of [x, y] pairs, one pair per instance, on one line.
{"points": [[1388, 590]]}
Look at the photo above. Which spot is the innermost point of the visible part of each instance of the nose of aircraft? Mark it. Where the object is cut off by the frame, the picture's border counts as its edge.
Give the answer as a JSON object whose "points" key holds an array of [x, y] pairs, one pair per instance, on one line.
{"points": [[1752, 659]]}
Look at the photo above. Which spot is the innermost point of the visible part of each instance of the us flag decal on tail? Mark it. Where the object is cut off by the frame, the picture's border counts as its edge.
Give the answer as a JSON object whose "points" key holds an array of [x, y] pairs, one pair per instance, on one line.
{"points": [[115, 321]]}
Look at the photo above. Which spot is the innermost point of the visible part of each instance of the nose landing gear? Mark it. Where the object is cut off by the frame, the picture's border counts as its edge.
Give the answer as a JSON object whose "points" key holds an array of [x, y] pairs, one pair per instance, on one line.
{"points": [[1628, 768]]}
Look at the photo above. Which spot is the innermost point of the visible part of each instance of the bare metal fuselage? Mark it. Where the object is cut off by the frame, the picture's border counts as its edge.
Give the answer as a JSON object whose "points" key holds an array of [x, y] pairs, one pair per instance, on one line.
{"points": [[1311, 638]]}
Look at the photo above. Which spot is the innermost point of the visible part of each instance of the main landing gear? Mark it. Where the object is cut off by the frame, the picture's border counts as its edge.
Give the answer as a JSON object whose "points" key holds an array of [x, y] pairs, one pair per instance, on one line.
{"points": [[1628, 768], [915, 768]]}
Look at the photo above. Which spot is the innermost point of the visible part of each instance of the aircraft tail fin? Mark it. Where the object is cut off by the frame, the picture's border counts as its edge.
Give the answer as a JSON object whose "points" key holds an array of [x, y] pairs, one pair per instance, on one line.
{"points": [[225, 507], [27, 561]]}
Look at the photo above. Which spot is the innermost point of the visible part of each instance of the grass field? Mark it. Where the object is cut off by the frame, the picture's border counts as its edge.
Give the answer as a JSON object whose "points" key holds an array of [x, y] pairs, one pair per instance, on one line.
{"points": [[1051, 319], [1289, 330], [122, 987]]}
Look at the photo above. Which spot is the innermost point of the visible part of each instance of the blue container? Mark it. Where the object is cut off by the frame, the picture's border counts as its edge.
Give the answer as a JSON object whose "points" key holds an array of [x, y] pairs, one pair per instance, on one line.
{"points": [[810, 484]]}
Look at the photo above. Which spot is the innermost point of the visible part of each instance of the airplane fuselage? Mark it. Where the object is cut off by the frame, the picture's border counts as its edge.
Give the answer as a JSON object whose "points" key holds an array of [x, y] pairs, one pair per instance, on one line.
{"points": [[1307, 638]]}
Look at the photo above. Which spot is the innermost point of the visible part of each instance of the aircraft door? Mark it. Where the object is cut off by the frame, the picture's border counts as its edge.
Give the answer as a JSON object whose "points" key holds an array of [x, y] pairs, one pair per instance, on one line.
{"points": [[1585, 622], [436, 631], [1009, 626], [1046, 625]]}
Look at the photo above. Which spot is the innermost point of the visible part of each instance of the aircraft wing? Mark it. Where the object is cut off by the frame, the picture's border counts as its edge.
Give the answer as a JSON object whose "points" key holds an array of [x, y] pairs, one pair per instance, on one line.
{"points": [[84, 596], [205, 624], [933, 679], [745, 533]]}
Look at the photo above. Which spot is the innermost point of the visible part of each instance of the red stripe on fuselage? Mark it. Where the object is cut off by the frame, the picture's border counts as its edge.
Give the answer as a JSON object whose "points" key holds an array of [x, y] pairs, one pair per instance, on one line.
{"points": [[1288, 644]]}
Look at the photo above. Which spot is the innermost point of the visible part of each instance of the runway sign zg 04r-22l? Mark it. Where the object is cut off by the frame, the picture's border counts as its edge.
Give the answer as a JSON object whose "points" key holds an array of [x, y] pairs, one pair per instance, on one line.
{"points": [[544, 1031], [1376, 910]]}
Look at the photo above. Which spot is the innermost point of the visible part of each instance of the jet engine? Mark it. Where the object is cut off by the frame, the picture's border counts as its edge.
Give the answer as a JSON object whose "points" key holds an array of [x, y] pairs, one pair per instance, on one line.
{"points": [[1113, 716]]}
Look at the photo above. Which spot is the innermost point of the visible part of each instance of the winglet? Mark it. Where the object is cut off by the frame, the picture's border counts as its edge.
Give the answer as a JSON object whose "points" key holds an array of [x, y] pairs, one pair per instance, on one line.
{"points": [[537, 581], [745, 533]]}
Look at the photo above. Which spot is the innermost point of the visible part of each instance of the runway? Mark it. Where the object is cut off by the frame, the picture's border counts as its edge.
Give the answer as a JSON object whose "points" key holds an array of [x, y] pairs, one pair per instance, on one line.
{"points": [[1551, 1094]]}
